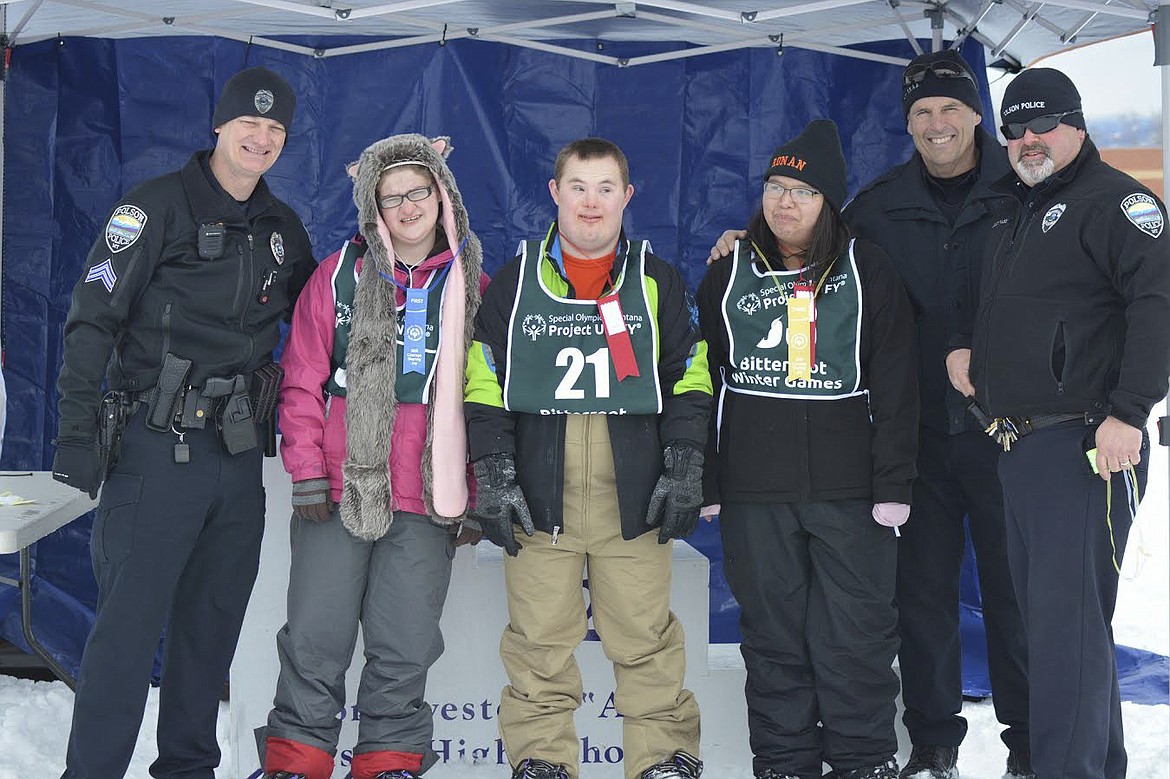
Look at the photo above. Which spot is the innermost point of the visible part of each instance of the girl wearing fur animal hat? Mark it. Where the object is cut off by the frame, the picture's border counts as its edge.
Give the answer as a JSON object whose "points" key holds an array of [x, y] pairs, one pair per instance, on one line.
{"points": [[371, 409], [811, 351]]}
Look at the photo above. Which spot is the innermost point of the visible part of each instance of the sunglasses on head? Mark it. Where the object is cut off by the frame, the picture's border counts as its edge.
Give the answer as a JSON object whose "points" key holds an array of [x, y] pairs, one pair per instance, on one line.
{"points": [[916, 73], [1014, 131]]}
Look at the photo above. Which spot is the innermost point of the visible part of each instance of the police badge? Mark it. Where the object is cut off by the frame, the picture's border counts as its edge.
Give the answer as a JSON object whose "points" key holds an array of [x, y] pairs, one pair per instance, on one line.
{"points": [[276, 243], [1052, 217], [263, 100]]}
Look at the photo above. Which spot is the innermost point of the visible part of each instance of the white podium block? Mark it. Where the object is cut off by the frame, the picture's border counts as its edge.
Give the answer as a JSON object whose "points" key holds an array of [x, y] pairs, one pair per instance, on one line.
{"points": [[464, 685]]}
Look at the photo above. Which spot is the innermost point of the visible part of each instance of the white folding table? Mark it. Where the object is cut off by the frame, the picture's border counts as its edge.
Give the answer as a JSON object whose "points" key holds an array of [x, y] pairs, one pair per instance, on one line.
{"points": [[54, 506]]}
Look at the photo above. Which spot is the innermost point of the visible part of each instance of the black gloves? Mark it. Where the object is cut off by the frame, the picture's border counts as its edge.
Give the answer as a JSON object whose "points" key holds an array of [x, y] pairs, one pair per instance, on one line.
{"points": [[79, 464], [675, 502], [310, 500], [499, 502]]}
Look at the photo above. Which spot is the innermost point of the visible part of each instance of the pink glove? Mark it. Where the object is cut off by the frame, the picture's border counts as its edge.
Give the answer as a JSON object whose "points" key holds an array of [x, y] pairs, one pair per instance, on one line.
{"points": [[709, 511], [891, 514]]}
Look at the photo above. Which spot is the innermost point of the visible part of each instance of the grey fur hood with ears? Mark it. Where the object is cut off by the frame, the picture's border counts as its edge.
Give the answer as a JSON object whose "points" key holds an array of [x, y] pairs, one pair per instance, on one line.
{"points": [[372, 358]]}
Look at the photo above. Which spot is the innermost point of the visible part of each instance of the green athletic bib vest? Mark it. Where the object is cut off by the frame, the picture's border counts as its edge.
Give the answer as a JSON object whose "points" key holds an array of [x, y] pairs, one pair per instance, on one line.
{"points": [[755, 315], [558, 358], [408, 387]]}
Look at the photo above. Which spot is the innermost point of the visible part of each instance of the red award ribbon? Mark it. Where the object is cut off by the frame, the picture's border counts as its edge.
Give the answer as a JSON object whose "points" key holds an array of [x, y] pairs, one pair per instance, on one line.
{"points": [[617, 336]]}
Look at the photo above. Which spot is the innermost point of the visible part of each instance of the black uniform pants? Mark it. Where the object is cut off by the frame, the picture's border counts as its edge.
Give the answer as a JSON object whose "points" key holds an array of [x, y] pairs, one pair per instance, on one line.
{"points": [[815, 582], [956, 477], [1061, 551], [177, 544]]}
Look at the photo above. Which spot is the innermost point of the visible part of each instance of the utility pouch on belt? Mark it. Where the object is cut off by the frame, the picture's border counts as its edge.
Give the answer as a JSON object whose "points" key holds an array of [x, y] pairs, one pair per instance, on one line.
{"points": [[165, 395], [265, 389], [236, 425]]}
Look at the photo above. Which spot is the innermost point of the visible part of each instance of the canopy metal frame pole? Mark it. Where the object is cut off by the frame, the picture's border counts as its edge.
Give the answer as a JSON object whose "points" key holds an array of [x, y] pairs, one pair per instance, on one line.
{"points": [[1161, 30]]}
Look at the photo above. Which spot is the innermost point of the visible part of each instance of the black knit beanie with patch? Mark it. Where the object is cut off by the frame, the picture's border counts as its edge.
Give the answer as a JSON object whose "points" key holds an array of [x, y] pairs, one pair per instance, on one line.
{"points": [[255, 92]]}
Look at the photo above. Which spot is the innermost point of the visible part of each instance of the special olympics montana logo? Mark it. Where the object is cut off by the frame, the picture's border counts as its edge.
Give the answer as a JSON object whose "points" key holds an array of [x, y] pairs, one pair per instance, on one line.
{"points": [[749, 303], [534, 326]]}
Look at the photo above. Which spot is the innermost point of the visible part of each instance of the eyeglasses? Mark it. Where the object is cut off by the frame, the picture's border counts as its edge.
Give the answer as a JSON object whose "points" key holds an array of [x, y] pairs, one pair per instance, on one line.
{"points": [[414, 195], [1014, 131], [915, 74], [799, 194]]}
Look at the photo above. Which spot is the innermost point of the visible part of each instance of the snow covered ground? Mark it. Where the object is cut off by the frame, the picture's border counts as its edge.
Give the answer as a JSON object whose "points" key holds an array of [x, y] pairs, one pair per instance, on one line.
{"points": [[35, 716]]}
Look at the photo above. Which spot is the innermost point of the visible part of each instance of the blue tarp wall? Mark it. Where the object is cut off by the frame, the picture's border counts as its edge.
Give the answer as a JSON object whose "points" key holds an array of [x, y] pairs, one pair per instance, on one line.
{"points": [[87, 119]]}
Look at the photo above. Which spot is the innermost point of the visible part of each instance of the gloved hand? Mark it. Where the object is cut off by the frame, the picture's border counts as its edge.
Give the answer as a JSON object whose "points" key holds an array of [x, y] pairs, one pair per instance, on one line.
{"points": [[499, 502], [310, 500], [78, 464], [675, 502], [466, 532], [891, 514]]}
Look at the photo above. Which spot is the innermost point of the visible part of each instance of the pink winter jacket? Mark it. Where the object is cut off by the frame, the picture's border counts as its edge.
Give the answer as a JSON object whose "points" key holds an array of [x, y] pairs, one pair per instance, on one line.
{"points": [[312, 424]]}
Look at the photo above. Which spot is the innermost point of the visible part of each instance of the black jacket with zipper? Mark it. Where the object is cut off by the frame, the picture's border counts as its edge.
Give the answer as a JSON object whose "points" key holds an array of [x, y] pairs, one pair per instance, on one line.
{"points": [[786, 450], [938, 262], [221, 313], [1074, 310]]}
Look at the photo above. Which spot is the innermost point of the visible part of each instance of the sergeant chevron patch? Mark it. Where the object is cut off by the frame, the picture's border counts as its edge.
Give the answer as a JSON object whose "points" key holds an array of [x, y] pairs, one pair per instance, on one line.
{"points": [[103, 272]]}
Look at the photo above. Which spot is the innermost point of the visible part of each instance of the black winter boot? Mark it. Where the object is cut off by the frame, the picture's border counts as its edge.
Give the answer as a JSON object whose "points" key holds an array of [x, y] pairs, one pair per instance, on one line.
{"points": [[1019, 766], [680, 766], [886, 770], [531, 768], [932, 763]]}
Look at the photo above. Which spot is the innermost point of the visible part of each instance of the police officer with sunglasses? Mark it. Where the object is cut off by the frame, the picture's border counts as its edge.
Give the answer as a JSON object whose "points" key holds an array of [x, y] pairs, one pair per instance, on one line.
{"points": [[1066, 351]]}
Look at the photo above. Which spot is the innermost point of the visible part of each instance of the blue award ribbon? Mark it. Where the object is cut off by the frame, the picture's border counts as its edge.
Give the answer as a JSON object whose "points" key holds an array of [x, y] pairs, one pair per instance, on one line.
{"points": [[414, 326]]}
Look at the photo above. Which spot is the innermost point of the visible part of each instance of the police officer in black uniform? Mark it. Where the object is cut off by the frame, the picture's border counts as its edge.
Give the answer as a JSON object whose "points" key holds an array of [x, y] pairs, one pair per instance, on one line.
{"points": [[1069, 350], [932, 214], [181, 297]]}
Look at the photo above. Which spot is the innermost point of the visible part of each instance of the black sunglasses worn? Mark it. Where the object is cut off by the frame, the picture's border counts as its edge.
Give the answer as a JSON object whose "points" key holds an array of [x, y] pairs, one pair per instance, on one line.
{"points": [[1014, 131], [916, 73]]}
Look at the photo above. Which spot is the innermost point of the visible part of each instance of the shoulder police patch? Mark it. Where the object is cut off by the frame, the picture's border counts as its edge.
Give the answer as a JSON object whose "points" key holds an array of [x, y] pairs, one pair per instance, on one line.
{"points": [[276, 243], [124, 227], [103, 272], [1142, 210], [263, 100], [1052, 217]]}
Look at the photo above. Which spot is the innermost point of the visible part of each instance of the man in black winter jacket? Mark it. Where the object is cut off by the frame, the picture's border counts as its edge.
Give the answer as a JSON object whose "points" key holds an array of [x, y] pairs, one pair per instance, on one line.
{"points": [[1067, 352], [182, 297], [932, 215]]}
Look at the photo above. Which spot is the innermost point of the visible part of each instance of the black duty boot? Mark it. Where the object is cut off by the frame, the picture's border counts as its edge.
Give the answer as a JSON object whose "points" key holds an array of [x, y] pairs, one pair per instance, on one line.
{"points": [[1019, 766], [531, 768], [886, 770], [932, 763], [680, 766]]}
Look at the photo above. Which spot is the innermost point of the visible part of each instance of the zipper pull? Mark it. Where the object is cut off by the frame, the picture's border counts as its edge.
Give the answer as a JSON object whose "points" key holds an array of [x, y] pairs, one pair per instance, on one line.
{"points": [[251, 243], [556, 532]]}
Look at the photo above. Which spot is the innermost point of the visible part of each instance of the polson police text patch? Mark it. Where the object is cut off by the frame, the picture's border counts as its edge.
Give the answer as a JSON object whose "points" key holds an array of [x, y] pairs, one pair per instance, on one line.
{"points": [[124, 227], [1142, 210]]}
